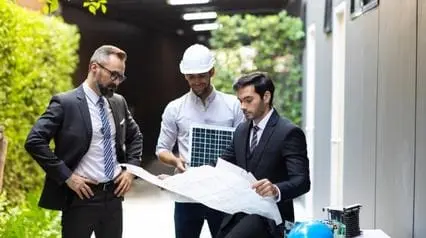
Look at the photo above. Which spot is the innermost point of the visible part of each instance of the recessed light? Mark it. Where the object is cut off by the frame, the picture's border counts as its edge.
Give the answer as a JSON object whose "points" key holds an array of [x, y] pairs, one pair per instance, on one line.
{"points": [[199, 16], [205, 27], [186, 2]]}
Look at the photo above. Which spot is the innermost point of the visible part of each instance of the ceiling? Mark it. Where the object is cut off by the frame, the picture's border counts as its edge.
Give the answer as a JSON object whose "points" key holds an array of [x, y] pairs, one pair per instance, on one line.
{"points": [[159, 16]]}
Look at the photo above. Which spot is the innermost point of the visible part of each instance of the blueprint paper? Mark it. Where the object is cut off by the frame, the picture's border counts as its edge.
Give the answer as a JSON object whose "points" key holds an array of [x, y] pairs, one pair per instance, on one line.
{"points": [[226, 188]]}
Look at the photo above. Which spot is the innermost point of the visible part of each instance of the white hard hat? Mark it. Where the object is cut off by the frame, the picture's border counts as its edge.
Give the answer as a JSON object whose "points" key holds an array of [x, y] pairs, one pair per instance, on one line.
{"points": [[197, 59]]}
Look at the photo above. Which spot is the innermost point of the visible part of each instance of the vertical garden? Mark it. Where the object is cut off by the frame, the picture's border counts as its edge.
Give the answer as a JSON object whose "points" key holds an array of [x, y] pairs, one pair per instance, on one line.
{"points": [[38, 55]]}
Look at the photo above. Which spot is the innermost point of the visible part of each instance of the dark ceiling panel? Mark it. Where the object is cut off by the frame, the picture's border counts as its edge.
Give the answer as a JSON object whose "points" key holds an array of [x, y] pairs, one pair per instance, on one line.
{"points": [[159, 16]]}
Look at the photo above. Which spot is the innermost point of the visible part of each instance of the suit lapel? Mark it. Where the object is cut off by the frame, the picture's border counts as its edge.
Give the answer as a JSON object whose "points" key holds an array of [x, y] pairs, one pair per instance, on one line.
{"points": [[242, 160], [116, 114], [264, 139], [84, 110]]}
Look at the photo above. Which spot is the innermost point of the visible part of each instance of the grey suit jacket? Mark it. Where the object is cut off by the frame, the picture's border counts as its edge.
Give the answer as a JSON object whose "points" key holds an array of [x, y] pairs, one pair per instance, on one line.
{"points": [[67, 122], [280, 156]]}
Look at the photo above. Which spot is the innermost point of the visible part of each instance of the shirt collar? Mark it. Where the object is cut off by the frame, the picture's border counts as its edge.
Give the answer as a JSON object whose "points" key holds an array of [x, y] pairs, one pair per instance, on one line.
{"points": [[262, 123], [209, 98], [93, 97]]}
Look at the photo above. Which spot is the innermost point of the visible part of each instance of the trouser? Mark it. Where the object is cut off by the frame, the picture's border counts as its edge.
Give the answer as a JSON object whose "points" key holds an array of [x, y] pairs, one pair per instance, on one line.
{"points": [[102, 214], [189, 219], [242, 225]]}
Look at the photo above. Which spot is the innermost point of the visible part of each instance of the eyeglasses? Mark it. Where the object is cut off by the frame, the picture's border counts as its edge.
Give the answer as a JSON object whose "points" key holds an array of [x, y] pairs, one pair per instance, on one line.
{"points": [[115, 75]]}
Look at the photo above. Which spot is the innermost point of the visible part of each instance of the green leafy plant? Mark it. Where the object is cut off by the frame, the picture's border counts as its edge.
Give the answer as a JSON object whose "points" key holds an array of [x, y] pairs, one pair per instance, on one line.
{"points": [[273, 44], [39, 54], [27, 220], [93, 6]]}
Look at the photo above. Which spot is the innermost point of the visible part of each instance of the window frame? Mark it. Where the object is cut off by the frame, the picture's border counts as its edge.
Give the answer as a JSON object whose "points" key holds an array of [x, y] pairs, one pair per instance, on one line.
{"points": [[362, 10]]}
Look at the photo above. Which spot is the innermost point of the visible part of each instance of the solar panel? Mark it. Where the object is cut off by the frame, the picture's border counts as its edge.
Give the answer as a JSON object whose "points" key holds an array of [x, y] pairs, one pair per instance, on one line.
{"points": [[207, 143]]}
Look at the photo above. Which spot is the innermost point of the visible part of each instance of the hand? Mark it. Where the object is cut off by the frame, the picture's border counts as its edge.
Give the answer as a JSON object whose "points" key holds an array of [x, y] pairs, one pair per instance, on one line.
{"points": [[180, 165], [124, 182], [265, 188], [80, 186]]}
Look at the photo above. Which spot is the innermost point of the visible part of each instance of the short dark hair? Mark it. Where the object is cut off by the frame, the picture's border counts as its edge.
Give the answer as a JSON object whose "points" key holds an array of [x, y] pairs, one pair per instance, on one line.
{"points": [[260, 81], [102, 53]]}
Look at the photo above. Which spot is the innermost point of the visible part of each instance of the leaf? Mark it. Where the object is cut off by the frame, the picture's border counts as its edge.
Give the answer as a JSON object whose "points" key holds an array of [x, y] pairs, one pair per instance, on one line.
{"points": [[104, 9], [92, 9]]}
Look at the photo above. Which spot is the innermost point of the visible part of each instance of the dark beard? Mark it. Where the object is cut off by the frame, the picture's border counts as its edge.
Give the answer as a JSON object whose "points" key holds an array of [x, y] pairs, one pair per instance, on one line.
{"points": [[106, 91]]}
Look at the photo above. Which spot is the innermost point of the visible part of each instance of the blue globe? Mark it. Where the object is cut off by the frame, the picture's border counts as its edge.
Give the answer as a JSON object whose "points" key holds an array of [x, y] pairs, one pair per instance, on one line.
{"points": [[310, 229]]}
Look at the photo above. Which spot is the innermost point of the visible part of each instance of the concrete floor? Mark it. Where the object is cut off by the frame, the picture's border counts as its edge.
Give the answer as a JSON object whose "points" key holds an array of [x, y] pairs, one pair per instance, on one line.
{"points": [[148, 211]]}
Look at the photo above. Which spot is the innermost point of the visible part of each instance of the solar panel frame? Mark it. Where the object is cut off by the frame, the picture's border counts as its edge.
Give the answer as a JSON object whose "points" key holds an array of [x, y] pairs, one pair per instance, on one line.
{"points": [[207, 143]]}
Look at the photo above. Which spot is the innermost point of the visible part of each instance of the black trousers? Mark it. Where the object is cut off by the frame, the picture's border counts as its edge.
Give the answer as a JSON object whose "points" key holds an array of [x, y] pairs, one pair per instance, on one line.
{"points": [[241, 225], [102, 214], [189, 219]]}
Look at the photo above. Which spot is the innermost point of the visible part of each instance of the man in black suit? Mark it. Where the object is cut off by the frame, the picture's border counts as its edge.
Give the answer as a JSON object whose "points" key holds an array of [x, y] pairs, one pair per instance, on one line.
{"points": [[274, 150], [93, 132]]}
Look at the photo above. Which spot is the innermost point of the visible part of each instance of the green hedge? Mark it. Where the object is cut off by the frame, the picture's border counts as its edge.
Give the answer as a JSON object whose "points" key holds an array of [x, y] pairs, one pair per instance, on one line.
{"points": [[38, 55], [28, 220]]}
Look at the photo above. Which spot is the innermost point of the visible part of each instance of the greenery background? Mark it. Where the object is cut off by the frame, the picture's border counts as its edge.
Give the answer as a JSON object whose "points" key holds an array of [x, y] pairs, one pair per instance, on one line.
{"points": [[271, 44], [38, 56]]}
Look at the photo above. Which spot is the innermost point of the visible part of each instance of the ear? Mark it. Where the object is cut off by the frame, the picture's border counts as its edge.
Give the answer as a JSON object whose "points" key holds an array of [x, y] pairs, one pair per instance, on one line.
{"points": [[212, 71], [267, 97], [92, 67]]}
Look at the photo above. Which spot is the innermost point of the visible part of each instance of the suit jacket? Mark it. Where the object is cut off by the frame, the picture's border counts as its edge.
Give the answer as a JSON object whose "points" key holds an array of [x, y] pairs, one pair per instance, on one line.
{"points": [[280, 156], [67, 122]]}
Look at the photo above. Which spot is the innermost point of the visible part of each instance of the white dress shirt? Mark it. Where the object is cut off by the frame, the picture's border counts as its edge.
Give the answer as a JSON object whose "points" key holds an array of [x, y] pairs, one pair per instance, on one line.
{"points": [[261, 125], [220, 109], [92, 164]]}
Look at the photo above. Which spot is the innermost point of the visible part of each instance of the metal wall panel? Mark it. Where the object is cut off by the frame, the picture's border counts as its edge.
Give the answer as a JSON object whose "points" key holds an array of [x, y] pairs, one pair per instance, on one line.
{"points": [[420, 163], [396, 117], [321, 178], [360, 115]]}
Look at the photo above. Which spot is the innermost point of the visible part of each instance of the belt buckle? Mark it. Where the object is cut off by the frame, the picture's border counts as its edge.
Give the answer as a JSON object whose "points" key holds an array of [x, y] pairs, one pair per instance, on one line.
{"points": [[104, 187]]}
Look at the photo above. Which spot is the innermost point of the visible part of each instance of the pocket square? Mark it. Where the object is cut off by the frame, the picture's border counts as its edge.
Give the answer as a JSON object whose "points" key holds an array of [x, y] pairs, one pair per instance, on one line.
{"points": [[121, 122]]}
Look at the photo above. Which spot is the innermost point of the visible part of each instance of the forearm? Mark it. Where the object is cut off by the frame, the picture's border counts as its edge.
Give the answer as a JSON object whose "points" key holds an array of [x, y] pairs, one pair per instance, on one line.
{"points": [[167, 157], [134, 148], [295, 187], [48, 161], [134, 141]]}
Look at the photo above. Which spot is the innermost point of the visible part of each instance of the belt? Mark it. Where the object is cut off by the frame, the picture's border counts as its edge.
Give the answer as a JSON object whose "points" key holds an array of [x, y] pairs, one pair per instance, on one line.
{"points": [[107, 186]]}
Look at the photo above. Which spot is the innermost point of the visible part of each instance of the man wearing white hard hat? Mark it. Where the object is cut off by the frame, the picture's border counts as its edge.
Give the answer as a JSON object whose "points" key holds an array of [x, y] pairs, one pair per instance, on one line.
{"points": [[201, 105]]}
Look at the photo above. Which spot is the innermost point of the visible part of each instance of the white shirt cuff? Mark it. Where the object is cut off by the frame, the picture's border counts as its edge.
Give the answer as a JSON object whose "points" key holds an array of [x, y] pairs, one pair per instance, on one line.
{"points": [[278, 197]]}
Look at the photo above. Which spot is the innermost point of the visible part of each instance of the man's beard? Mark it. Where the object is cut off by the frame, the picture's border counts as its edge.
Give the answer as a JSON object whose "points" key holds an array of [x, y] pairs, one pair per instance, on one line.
{"points": [[106, 91]]}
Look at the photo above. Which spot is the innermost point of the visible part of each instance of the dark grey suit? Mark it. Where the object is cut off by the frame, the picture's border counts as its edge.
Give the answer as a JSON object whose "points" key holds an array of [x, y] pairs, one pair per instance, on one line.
{"points": [[280, 156], [67, 121]]}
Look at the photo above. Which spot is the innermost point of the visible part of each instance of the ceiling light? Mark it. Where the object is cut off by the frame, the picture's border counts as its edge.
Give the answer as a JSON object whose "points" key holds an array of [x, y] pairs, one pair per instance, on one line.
{"points": [[205, 27], [185, 2], [199, 16]]}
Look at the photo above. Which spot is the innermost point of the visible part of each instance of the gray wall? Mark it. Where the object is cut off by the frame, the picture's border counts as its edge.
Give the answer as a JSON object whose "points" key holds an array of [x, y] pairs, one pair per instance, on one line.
{"points": [[396, 117], [385, 115], [420, 161], [360, 115], [321, 171]]}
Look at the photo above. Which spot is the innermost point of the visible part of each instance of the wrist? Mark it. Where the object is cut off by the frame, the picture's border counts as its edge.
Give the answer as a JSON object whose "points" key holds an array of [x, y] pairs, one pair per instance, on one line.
{"points": [[276, 191]]}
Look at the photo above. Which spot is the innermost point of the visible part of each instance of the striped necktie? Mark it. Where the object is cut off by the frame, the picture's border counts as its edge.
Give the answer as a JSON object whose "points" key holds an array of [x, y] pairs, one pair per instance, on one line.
{"points": [[253, 142], [106, 131]]}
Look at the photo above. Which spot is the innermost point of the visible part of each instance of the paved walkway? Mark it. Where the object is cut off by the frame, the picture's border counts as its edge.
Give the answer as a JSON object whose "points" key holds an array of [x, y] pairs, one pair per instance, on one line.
{"points": [[148, 212]]}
